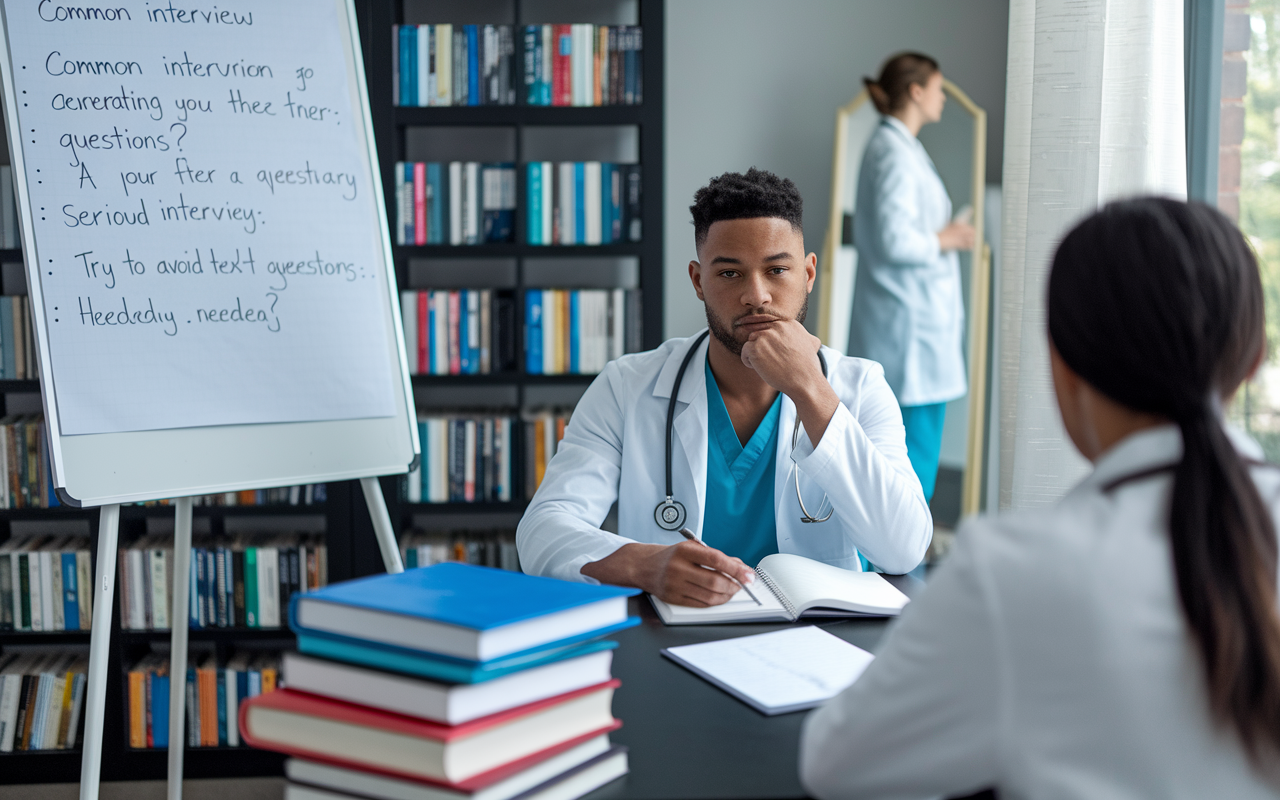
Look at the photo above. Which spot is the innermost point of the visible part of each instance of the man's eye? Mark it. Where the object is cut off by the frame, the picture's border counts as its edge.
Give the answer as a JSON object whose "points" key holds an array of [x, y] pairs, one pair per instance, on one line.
{"points": [[728, 273], [778, 270]]}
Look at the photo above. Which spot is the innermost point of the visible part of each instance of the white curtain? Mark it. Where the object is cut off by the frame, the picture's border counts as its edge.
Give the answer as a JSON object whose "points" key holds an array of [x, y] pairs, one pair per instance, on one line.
{"points": [[1093, 112]]}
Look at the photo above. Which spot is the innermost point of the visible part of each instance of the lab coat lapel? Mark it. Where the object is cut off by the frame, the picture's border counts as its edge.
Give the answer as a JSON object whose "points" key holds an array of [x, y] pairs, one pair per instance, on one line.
{"points": [[690, 428], [782, 467]]}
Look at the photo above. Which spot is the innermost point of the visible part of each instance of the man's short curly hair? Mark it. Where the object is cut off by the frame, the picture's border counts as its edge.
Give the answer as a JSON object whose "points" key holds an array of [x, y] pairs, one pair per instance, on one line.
{"points": [[734, 195]]}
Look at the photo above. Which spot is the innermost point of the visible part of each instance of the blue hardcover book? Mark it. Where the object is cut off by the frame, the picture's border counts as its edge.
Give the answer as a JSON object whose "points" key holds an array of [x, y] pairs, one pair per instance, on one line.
{"points": [[406, 75], [425, 460], [606, 204], [464, 348], [544, 73], [222, 706], [159, 709], [575, 328], [242, 689], [432, 364], [615, 202], [579, 204], [70, 600], [473, 65], [410, 662], [533, 331], [6, 337], [462, 611], [532, 38], [439, 202], [533, 213]]}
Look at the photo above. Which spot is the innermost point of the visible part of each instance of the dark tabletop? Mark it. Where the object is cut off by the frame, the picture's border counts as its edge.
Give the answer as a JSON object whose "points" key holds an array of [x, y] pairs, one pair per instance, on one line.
{"points": [[690, 740]]}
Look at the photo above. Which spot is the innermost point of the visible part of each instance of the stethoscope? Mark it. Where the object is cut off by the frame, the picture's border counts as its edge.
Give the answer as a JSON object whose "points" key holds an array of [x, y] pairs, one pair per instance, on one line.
{"points": [[670, 513]]}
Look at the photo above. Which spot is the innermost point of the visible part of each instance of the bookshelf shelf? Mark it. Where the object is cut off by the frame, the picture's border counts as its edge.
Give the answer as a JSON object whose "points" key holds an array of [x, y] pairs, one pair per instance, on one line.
{"points": [[10, 254], [45, 637], [521, 115], [227, 635], [516, 249], [19, 386], [500, 378]]}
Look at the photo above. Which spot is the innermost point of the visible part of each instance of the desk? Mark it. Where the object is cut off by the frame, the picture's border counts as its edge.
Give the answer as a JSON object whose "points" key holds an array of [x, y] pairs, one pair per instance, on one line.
{"points": [[688, 739]]}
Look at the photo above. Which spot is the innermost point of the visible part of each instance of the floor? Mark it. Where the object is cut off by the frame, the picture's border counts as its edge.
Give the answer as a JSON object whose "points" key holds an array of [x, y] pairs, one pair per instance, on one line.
{"points": [[212, 789]]}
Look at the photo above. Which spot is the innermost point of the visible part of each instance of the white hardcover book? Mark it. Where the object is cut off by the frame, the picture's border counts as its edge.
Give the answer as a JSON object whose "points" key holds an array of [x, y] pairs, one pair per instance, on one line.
{"points": [[10, 687], [159, 597], [473, 321], [408, 221], [409, 320], [424, 69], [455, 202], [269, 587], [441, 341], [601, 324], [567, 215], [548, 51], [486, 331], [400, 210], [36, 590], [582, 60], [469, 456], [137, 601], [232, 704], [618, 329], [53, 709], [472, 232], [15, 571], [504, 463], [591, 200], [442, 460], [444, 65]]}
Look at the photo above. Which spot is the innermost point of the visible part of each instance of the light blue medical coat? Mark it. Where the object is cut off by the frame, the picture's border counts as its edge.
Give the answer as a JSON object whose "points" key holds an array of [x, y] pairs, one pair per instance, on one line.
{"points": [[908, 313]]}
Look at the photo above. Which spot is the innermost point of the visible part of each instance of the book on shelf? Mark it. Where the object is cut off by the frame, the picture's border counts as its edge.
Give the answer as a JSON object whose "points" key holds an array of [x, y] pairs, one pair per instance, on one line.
{"points": [[460, 331], [453, 65], [454, 203], [484, 548], [583, 65], [24, 455], [242, 581], [214, 693], [543, 431], [412, 685], [582, 202], [578, 331], [301, 495], [465, 459], [17, 342], [41, 699], [10, 236], [46, 584]]}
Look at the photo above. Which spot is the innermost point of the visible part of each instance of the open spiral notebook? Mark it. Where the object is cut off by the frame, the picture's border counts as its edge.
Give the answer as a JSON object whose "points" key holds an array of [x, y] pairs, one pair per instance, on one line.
{"points": [[791, 587]]}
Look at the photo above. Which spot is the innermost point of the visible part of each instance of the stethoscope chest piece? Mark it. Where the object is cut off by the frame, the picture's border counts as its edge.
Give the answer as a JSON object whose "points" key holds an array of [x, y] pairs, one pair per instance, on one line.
{"points": [[669, 514]]}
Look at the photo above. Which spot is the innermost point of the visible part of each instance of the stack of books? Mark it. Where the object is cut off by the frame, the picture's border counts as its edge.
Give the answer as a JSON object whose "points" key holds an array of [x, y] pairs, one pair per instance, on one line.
{"points": [[459, 332], [583, 65], [578, 331], [543, 431], [583, 202], [495, 548], [24, 463], [17, 343], [213, 696], [46, 584], [453, 65], [465, 459], [447, 681], [41, 698], [455, 203]]}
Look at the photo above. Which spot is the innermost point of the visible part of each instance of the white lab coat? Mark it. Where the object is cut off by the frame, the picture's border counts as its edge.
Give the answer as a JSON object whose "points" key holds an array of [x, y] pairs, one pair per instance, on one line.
{"points": [[908, 312], [1048, 657], [615, 439]]}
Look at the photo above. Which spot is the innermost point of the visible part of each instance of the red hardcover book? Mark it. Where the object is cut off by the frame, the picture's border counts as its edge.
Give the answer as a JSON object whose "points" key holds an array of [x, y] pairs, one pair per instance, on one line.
{"points": [[424, 333], [561, 66], [466, 757], [419, 203], [455, 314]]}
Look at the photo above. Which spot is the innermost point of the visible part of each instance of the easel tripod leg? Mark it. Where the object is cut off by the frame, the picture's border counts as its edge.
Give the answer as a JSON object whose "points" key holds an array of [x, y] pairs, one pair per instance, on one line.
{"points": [[179, 620], [99, 647], [382, 524]]}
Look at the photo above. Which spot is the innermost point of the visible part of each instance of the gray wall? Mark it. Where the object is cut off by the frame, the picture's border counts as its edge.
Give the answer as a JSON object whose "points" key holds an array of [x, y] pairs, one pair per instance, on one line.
{"points": [[757, 83]]}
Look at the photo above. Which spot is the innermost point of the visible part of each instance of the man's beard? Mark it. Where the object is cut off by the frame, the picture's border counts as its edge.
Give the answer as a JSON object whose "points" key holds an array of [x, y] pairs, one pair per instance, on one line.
{"points": [[724, 333]]}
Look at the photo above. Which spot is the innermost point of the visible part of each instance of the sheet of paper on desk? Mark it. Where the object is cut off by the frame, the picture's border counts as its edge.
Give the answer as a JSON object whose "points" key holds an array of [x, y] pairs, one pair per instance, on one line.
{"points": [[779, 672]]}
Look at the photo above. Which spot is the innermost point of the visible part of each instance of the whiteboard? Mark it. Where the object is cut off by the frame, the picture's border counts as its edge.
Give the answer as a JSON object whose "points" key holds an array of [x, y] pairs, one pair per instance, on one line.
{"points": [[206, 246]]}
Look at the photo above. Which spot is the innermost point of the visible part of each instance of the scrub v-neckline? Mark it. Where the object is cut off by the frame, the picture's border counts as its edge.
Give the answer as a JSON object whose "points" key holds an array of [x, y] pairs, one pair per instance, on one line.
{"points": [[738, 457]]}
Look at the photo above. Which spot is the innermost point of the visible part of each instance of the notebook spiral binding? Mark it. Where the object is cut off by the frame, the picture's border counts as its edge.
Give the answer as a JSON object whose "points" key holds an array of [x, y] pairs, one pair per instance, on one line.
{"points": [[782, 598]]}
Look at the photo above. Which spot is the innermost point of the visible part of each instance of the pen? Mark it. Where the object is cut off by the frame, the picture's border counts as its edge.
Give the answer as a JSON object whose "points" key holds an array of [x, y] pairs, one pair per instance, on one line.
{"points": [[688, 534]]}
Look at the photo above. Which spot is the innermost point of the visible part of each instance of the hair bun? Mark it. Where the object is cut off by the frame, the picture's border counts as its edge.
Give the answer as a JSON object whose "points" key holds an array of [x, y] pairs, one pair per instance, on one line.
{"points": [[879, 97]]}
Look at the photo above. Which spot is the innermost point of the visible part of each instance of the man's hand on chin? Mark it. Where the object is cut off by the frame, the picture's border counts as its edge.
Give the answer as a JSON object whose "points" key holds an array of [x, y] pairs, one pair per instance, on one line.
{"points": [[684, 574], [784, 355]]}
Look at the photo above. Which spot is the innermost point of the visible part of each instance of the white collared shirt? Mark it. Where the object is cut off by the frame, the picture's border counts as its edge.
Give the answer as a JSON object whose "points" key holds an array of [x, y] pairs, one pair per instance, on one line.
{"points": [[613, 450], [1048, 657], [908, 313]]}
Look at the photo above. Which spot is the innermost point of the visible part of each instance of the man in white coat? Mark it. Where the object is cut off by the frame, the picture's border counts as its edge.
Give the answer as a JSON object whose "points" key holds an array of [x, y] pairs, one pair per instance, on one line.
{"points": [[739, 469]]}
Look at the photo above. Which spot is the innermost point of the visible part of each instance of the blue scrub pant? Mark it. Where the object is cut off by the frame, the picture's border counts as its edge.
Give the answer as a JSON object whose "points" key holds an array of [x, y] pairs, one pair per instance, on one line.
{"points": [[924, 442]]}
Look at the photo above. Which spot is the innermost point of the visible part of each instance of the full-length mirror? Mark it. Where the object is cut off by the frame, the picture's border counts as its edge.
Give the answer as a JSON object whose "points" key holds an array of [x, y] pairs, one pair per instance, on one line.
{"points": [[956, 146]]}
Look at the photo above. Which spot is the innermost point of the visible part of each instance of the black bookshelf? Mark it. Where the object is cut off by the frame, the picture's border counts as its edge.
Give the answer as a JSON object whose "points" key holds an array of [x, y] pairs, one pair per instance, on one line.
{"points": [[349, 537]]}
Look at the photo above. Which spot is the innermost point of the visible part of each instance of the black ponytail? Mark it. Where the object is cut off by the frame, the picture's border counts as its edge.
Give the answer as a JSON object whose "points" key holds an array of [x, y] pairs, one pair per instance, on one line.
{"points": [[1158, 305]]}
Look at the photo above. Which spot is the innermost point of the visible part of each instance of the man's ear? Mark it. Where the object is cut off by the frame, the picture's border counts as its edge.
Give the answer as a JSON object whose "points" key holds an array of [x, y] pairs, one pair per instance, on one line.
{"points": [[695, 275], [811, 271]]}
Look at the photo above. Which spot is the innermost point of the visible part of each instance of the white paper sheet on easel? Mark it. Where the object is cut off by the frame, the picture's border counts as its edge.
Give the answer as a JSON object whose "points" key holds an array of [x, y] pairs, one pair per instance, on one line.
{"points": [[779, 672], [209, 241]]}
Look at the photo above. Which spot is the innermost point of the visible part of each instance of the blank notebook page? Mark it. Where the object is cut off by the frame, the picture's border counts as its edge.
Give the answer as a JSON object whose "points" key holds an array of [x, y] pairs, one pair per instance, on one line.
{"points": [[776, 672]]}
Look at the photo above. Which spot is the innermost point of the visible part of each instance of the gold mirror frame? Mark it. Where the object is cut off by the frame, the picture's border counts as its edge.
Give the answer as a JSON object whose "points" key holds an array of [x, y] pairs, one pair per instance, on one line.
{"points": [[979, 286]]}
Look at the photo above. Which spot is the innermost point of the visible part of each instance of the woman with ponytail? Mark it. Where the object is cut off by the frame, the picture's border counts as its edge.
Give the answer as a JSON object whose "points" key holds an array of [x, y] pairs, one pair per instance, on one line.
{"points": [[908, 313], [1125, 643]]}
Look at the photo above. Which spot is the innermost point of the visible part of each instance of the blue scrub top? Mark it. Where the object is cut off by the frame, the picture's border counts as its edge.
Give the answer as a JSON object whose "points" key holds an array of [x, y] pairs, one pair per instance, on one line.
{"points": [[738, 516]]}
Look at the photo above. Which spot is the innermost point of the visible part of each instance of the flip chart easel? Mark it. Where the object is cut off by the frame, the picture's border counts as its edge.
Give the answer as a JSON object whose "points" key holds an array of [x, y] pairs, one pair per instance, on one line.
{"points": [[209, 270]]}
